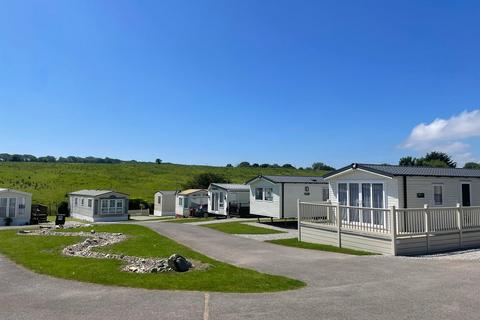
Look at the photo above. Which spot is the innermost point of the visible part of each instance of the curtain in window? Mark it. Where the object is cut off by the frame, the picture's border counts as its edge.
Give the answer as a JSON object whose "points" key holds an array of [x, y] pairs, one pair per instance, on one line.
{"points": [[377, 202], [366, 203], [354, 201]]}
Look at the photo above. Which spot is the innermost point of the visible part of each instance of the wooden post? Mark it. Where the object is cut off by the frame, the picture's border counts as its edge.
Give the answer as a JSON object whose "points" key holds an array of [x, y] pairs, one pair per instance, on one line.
{"points": [[427, 227], [299, 225], [460, 225], [339, 226], [393, 225]]}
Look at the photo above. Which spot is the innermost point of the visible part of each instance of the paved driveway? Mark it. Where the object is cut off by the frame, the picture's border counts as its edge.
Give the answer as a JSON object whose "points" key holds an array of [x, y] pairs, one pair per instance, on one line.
{"points": [[339, 287]]}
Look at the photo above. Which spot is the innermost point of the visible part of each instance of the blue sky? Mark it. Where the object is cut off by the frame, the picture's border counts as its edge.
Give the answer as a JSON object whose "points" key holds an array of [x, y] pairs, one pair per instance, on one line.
{"points": [[216, 82]]}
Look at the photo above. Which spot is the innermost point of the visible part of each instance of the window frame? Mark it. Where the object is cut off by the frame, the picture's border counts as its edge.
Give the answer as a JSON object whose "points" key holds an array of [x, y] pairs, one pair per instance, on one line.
{"points": [[256, 194], [434, 203], [270, 199], [346, 215]]}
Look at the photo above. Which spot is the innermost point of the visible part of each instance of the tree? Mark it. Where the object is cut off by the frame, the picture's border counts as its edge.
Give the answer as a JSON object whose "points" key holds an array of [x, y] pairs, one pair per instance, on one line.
{"points": [[255, 165], [203, 180], [288, 166], [432, 159], [229, 165], [158, 161], [436, 157], [320, 166], [244, 164], [471, 165], [408, 162], [264, 165]]}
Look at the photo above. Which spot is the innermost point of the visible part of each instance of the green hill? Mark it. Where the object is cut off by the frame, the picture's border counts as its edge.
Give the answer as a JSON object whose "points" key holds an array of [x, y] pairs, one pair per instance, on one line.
{"points": [[49, 182]]}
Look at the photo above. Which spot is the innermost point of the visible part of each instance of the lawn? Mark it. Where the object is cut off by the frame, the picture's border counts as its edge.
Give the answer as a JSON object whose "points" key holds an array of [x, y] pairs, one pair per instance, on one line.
{"points": [[42, 255], [240, 228], [52, 219], [49, 182], [190, 220], [293, 242]]}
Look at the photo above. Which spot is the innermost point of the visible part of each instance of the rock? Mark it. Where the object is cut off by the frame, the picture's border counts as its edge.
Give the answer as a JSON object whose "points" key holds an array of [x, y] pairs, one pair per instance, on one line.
{"points": [[178, 263], [92, 231]]}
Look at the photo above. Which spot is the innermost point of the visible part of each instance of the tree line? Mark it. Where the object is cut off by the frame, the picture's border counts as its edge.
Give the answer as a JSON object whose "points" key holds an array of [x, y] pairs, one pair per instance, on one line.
{"points": [[6, 157], [435, 159], [318, 166]]}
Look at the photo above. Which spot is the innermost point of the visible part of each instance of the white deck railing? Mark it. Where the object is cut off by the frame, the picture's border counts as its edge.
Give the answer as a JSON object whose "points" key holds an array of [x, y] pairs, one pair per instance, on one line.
{"points": [[397, 222], [377, 220]]}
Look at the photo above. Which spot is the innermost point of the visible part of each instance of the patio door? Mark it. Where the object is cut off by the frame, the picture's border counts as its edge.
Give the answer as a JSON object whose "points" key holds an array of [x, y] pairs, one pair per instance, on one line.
{"points": [[466, 194]]}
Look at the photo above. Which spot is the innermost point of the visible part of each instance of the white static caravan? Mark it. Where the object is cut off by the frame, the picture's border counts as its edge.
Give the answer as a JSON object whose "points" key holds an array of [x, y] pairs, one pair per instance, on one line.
{"points": [[227, 198], [396, 210], [277, 196], [16, 205], [164, 203], [98, 205], [384, 186], [190, 200]]}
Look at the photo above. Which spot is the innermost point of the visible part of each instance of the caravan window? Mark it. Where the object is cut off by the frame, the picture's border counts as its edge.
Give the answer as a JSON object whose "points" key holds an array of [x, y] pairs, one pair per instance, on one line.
{"points": [[325, 194], [268, 194], [259, 194], [438, 195]]}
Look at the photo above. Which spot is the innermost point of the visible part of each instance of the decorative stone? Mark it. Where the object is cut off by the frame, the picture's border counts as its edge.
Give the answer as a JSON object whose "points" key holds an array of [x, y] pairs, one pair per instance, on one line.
{"points": [[132, 264]]}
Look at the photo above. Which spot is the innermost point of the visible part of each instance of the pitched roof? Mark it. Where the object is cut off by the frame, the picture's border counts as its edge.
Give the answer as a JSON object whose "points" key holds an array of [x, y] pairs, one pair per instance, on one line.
{"points": [[171, 192], [92, 193], [394, 170], [232, 186], [13, 190], [190, 191], [291, 179]]}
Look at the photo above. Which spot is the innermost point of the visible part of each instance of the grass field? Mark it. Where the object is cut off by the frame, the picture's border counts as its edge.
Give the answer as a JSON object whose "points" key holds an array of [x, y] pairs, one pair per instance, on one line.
{"points": [[42, 255], [240, 228], [293, 242], [50, 182]]}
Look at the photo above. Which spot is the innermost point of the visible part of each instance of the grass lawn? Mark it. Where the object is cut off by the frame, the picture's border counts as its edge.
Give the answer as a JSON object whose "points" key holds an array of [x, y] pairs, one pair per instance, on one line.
{"points": [[49, 182], [189, 220], [240, 228], [42, 254], [52, 219], [293, 242]]}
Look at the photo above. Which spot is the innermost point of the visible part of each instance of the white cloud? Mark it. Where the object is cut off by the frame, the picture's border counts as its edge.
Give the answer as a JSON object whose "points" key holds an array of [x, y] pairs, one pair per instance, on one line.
{"points": [[447, 135]]}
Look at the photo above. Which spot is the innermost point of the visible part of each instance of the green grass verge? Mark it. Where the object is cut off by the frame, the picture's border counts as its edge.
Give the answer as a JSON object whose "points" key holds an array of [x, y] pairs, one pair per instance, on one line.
{"points": [[42, 255], [189, 220], [293, 242], [240, 228]]}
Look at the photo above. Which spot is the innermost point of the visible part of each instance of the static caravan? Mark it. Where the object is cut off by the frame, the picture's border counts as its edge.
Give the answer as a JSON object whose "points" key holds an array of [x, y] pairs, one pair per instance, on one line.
{"points": [[396, 210], [191, 201], [164, 203], [15, 207], [98, 205], [384, 186], [276, 196], [226, 199]]}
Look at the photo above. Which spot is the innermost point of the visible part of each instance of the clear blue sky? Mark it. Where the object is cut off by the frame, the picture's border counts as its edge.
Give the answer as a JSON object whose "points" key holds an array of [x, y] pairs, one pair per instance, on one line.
{"points": [[216, 82]]}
